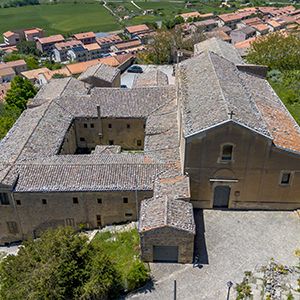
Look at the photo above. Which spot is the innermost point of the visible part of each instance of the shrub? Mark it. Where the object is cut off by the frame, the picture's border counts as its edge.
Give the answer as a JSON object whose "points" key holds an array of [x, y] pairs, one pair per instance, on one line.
{"points": [[137, 275]]}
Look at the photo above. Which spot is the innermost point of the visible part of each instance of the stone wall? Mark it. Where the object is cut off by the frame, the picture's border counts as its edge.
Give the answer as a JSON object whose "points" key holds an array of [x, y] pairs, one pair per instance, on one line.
{"points": [[35, 212], [167, 236]]}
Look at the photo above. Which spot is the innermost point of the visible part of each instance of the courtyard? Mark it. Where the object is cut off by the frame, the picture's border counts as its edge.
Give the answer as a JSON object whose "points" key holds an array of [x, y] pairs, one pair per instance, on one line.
{"points": [[228, 243]]}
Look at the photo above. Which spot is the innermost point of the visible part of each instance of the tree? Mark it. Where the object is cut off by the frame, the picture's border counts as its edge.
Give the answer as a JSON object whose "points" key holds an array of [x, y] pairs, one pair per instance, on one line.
{"points": [[21, 90], [28, 48], [8, 116], [277, 51], [58, 265]]}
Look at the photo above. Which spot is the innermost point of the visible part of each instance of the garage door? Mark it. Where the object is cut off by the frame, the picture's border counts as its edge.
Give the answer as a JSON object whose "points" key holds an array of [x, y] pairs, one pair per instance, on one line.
{"points": [[165, 253]]}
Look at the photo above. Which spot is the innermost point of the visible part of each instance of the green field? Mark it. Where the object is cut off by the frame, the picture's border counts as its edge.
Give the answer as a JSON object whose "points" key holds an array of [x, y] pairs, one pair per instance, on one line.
{"points": [[65, 18]]}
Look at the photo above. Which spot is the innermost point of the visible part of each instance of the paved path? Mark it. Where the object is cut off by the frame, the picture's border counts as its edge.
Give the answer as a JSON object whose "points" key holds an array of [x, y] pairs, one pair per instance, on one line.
{"points": [[231, 242]]}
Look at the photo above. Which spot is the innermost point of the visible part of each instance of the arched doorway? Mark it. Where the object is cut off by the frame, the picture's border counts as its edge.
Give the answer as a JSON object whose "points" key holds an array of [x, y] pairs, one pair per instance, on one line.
{"points": [[221, 196]]}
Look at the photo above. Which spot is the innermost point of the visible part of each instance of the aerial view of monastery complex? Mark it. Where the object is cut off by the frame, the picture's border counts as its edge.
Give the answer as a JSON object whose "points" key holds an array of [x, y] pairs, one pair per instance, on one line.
{"points": [[196, 149]]}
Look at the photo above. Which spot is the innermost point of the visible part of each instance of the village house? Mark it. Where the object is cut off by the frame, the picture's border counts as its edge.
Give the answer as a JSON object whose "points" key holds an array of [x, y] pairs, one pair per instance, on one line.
{"points": [[7, 74], [242, 34], [82, 155], [195, 15], [17, 65], [46, 44], [205, 25], [261, 29], [106, 42], [11, 38], [136, 30], [126, 45], [72, 50], [32, 34], [93, 51], [86, 37]]}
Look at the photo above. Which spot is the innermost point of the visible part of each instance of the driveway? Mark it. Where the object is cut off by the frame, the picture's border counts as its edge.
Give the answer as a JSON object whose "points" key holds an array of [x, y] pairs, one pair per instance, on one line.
{"points": [[230, 242]]}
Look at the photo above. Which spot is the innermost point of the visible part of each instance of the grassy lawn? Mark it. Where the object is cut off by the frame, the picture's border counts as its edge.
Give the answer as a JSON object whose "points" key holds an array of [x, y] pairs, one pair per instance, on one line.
{"points": [[123, 248], [282, 91], [65, 18]]}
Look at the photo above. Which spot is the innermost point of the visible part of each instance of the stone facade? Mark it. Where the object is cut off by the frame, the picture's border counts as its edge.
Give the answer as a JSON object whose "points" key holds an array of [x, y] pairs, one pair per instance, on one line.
{"points": [[167, 236]]}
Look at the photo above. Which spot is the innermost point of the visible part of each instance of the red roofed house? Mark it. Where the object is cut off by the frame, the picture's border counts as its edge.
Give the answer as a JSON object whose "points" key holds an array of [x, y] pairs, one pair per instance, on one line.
{"points": [[17, 65], [86, 37], [46, 44], [106, 42], [32, 34], [11, 38], [134, 31]]}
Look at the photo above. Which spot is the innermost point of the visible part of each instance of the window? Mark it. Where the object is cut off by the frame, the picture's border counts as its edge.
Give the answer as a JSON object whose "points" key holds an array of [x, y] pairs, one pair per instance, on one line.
{"points": [[285, 178], [227, 152], [98, 218], [109, 126], [85, 125], [110, 142], [128, 214], [92, 125], [125, 200], [12, 227], [139, 143], [4, 199], [44, 201], [99, 200], [18, 202], [75, 200], [128, 126], [82, 139]]}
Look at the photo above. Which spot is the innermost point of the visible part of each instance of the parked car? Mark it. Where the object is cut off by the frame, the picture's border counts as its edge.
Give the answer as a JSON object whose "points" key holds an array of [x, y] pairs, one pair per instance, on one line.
{"points": [[135, 69]]}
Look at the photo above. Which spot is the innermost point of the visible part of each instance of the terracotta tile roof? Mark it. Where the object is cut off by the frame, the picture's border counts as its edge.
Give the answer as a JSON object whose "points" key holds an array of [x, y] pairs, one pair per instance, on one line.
{"points": [[84, 35], [108, 39], [274, 23], [261, 27], [33, 31], [33, 74], [7, 71], [78, 68], [230, 17], [218, 34], [91, 47], [67, 44], [12, 64], [128, 44], [245, 44], [8, 34], [51, 39], [137, 28], [251, 21], [49, 74]]}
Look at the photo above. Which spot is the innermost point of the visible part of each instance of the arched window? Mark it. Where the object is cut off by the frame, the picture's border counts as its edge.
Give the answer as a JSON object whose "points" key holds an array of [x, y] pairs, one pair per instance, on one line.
{"points": [[227, 150]]}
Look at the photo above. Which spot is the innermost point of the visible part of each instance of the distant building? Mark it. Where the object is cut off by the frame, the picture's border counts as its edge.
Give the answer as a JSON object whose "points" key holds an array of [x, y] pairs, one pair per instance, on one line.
{"points": [[195, 14], [7, 74], [32, 34], [69, 51], [261, 29], [106, 42], [133, 31], [46, 44], [126, 45], [93, 51], [17, 65], [205, 25], [242, 34], [11, 38], [86, 37], [33, 75]]}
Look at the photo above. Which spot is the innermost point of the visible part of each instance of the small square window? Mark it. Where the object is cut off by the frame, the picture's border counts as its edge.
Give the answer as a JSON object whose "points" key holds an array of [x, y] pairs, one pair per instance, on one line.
{"points": [[285, 178], [109, 126], [99, 200], [110, 142], [85, 125], [125, 200], [75, 200], [18, 202], [82, 139], [92, 125], [139, 143], [98, 217], [128, 126], [44, 201]]}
